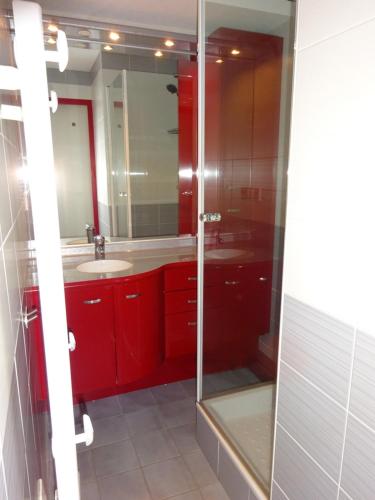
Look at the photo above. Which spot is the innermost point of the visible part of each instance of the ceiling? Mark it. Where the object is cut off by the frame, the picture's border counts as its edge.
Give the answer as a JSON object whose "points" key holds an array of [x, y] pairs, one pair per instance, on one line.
{"points": [[178, 16]]}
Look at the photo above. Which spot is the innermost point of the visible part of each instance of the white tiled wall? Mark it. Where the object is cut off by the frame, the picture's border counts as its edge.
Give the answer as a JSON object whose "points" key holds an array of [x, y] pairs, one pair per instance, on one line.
{"points": [[18, 455], [325, 434]]}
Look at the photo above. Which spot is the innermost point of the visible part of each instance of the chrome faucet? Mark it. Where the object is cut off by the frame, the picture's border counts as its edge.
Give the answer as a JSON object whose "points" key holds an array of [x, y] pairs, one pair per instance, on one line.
{"points": [[90, 231], [99, 241]]}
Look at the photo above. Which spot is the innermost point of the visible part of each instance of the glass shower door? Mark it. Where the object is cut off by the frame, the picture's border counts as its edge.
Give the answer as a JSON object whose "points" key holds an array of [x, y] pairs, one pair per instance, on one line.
{"points": [[247, 99]]}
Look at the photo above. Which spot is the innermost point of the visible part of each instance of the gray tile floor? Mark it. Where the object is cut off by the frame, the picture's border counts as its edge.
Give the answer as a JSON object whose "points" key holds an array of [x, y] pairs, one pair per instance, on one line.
{"points": [[145, 448]]}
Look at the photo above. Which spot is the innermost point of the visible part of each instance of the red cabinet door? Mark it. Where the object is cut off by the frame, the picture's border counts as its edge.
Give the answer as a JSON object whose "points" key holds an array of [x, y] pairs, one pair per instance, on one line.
{"points": [[139, 335], [90, 317]]}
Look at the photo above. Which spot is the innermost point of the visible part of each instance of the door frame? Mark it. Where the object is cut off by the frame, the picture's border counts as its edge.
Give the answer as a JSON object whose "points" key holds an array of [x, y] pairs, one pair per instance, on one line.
{"points": [[90, 122]]}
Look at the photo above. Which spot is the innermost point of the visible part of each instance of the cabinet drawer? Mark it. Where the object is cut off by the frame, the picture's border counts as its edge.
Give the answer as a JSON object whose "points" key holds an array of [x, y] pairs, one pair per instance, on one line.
{"points": [[180, 278], [181, 301], [181, 334]]}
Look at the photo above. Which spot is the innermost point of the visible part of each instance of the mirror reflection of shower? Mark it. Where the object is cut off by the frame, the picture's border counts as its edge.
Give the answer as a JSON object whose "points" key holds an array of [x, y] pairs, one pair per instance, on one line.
{"points": [[171, 87]]}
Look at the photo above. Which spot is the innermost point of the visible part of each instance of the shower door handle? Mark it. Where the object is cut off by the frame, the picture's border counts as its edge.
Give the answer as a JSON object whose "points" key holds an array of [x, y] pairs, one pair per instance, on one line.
{"points": [[210, 217], [87, 436]]}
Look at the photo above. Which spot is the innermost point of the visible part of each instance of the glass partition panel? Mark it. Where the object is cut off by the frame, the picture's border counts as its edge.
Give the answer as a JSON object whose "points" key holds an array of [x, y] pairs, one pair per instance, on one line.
{"points": [[248, 70], [152, 101], [120, 179]]}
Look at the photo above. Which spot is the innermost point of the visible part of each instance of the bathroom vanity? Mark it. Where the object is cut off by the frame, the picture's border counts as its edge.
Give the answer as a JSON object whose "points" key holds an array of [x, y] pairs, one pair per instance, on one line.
{"points": [[137, 328]]}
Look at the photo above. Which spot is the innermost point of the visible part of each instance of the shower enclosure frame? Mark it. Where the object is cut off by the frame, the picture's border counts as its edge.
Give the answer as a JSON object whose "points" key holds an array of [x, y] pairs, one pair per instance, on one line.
{"points": [[204, 413]]}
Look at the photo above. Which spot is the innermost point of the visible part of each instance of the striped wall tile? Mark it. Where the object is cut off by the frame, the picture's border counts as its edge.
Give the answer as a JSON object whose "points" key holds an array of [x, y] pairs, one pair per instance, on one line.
{"points": [[313, 419], [3, 494], [277, 494], [343, 495], [13, 447], [317, 346], [358, 471], [298, 475], [362, 396]]}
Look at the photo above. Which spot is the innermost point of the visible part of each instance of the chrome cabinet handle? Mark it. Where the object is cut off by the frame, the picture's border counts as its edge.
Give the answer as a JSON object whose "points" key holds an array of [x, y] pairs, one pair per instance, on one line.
{"points": [[231, 282], [192, 278], [263, 278], [192, 323], [92, 301], [191, 301], [133, 296]]}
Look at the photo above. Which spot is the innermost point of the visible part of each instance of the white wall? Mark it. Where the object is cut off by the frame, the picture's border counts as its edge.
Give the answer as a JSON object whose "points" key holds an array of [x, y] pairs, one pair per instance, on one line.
{"points": [[325, 425], [71, 91], [330, 201]]}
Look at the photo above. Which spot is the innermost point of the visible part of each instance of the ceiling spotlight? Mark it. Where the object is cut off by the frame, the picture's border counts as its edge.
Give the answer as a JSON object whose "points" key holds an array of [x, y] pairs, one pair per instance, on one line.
{"points": [[53, 28], [169, 43], [158, 53], [107, 48], [51, 40], [84, 32], [235, 52], [114, 36], [219, 61]]}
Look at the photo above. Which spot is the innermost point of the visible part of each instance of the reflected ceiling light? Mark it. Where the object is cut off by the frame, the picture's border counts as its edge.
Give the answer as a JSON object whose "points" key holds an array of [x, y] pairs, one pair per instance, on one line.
{"points": [[84, 32], [169, 43], [51, 40], [53, 28], [114, 36], [107, 48], [219, 61], [158, 53], [235, 52]]}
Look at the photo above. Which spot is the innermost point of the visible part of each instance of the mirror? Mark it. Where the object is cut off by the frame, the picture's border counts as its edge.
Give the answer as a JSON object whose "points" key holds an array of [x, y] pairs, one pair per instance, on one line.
{"points": [[124, 134]]}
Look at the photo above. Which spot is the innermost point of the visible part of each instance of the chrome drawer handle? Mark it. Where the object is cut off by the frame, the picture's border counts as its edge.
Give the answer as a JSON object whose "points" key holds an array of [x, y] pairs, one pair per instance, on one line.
{"points": [[231, 282], [192, 278], [133, 296], [263, 278], [192, 323], [92, 301], [191, 301]]}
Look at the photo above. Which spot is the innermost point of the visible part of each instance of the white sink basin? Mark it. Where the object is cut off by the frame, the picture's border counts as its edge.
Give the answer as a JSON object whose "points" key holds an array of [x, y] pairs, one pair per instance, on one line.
{"points": [[225, 253], [104, 266]]}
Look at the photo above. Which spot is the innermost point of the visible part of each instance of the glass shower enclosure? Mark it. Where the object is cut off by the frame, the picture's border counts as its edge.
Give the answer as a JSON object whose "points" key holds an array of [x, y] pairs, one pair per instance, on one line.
{"points": [[245, 84]]}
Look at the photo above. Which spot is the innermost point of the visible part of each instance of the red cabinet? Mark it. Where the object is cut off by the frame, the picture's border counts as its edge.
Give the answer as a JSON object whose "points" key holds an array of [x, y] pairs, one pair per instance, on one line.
{"points": [[139, 335], [90, 316], [180, 305], [236, 312], [132, 331], [180, 277]]}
